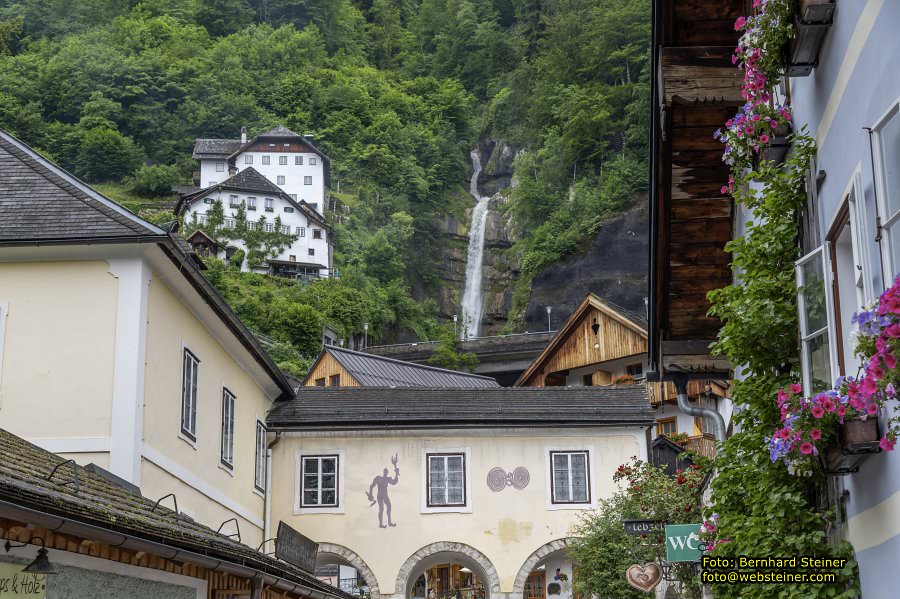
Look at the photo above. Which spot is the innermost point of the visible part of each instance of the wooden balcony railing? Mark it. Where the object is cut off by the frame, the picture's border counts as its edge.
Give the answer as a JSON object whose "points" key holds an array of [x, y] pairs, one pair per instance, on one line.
{"points": [[660, 393], [704, 445]]}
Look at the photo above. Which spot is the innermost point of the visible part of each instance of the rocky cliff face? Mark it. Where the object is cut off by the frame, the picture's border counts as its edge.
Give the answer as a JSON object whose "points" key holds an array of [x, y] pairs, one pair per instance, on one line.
{"points": [[615, 268]]}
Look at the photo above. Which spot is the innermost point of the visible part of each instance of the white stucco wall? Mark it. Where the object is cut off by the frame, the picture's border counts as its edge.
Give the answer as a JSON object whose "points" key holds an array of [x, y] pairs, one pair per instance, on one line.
{"points": [[293, 173], [296, 220], [506, 526]]}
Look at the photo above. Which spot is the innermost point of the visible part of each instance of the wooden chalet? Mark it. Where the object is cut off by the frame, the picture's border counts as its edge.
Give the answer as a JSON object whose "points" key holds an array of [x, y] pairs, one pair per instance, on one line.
{"points": [[202, 244], [597, 343], [340, 367], [696, 88]]}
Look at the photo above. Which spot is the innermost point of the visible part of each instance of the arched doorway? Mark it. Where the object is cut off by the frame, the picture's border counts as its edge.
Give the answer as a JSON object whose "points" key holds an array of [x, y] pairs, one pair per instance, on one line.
{"points": [[548, 573], [447, 570], [343, 568]]}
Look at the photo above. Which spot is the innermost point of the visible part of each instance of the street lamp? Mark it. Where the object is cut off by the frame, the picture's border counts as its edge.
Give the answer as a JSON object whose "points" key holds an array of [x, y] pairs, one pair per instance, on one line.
{"points": [[366, 335], [549, 309]]}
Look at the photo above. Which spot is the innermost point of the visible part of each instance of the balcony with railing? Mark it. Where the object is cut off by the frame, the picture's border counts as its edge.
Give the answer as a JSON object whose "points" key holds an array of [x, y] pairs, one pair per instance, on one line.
{"points": [[703, 445]]}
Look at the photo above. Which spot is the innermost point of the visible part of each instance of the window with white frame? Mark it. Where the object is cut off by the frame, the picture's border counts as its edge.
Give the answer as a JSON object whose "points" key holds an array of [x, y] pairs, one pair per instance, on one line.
{"points": [[220, 166], [229, 223], [569, 477], [286, 229], [233, 201], [298, 160], [259, 466], [301, 231], [307, 180], [270, 204], [294, 196], [267, 160], [251, 226], [270, 227], [288, 209], [282, 160], [813, 305], [317, 233], [227, 440], [209, 200], [211, 183], [312, 160], [319, 480], [445, 479], [189, 376], [251, 203], [248, 158], [887, 163], [279, 180]]}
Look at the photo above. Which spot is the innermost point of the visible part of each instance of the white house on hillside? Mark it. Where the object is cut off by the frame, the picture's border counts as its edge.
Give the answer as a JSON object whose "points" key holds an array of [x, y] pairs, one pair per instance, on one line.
{"points": [[308, 256], [285, 158]]}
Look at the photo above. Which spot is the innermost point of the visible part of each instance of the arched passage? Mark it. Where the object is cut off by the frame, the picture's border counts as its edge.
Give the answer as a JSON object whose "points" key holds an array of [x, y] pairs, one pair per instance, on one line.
{"points": [[331, 553], [541, 555], [447, 552]]}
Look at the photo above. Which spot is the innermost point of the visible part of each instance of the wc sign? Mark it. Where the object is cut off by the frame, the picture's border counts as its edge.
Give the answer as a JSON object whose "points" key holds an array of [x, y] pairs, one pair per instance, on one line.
{"points": [[683, 543]]}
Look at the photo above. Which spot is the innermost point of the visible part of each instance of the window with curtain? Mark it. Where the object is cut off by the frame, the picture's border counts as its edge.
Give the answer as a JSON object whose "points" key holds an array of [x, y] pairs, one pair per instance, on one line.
{"points": [[446, 483], [569, 476]]}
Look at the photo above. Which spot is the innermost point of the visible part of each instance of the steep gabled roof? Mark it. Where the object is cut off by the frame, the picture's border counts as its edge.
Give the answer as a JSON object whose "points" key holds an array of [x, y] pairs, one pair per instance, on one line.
{"points": [[97, 502], [359, 408], [376, 371], [281, 133], [251, 181], [41, 202], [625, 317], [214, 148]]}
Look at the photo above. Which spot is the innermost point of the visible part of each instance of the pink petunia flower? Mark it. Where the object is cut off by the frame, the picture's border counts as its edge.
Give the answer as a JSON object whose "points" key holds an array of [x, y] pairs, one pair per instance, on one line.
{"points": [[817, 412], [764, 138], [806, 448], [887, 444], [739, 23], [815, 434], [796, 388]]}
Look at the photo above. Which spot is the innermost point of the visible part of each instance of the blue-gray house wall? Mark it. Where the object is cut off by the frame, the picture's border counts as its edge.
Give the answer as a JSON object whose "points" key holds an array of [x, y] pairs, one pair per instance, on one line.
{"points": [[856, 82]]}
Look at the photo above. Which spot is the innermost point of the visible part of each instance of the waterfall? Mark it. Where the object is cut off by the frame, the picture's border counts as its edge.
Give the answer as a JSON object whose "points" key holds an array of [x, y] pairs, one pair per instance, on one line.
{"points": [[472, 298]]}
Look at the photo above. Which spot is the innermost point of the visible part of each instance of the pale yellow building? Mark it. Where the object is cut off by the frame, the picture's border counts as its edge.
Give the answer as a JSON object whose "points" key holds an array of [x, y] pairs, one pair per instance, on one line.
{"points": [[452, 492], [114, 350]]}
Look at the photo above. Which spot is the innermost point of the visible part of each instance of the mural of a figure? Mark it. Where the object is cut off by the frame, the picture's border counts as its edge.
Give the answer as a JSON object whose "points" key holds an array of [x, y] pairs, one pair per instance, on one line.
{"points": [[384, 502]]}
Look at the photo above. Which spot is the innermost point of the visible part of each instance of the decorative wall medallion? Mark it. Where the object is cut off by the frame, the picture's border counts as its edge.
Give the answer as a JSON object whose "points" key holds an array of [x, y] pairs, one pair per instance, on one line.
{"points": [[644, 578], [498, 479]]}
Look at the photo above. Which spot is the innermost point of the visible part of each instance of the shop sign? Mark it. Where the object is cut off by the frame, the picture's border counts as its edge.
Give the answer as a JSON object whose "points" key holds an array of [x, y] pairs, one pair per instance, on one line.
{"points": [[683, 543], [17, 584]]}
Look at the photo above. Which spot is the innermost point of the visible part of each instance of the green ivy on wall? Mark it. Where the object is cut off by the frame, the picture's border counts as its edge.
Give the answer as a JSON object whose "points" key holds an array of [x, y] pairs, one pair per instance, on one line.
{"points": [[762, 509]]}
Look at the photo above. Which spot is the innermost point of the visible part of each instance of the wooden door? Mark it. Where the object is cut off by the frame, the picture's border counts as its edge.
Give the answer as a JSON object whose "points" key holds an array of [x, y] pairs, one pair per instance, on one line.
{"points": [[535, 585]]}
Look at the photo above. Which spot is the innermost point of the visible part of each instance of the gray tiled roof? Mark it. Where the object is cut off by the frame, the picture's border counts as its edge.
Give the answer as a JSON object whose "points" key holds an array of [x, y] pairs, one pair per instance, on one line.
{"points": [[41, 202], [100, 502], [251, 180], [357, 408], [376, 371], [215, 148]]}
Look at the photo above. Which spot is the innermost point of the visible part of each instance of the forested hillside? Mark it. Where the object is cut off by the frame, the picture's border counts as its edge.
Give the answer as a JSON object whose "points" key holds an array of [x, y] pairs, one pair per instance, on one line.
{"points": [[397, 92]]}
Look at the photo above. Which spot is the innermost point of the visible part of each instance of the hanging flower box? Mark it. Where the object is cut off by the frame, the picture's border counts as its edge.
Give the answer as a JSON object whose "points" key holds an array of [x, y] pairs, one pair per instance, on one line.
{"points": [[778, 146], [813, 19], [856, 441]]}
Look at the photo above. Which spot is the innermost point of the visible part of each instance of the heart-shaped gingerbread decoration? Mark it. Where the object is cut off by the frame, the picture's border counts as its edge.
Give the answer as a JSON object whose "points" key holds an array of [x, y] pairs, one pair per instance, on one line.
{"points": [[644, 578]]}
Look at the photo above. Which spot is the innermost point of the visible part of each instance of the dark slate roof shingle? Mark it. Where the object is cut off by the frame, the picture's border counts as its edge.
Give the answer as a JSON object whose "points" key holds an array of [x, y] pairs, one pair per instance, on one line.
{"points": [[102, 503], [279, 131], [215, 148], [358, 408], [41, 202], [376, 371], [250, 180]]}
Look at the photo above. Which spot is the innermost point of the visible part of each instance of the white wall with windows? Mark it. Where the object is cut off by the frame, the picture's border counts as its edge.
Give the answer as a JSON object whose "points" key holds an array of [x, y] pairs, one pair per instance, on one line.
{"points": [[213, 171], [300, 175], [312, 244], [445, 486]]}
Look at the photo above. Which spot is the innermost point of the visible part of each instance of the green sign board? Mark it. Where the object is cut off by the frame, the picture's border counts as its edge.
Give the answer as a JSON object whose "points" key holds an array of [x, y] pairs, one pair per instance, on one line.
{"points": [[683, 542]]}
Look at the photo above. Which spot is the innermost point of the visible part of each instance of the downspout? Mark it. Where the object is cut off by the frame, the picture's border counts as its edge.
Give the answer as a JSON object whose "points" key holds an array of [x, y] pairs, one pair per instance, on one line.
{"points": [[267, 516], [685, 406]]}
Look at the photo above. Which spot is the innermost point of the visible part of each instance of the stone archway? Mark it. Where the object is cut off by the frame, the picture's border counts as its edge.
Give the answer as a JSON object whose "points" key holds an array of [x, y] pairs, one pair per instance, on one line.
{"points": [[535, 559], [465, 553], [343, 554]]}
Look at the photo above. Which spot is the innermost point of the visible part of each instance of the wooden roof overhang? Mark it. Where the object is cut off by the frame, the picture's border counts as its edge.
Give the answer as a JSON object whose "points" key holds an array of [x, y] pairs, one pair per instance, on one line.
{"points": [[696, 88]]}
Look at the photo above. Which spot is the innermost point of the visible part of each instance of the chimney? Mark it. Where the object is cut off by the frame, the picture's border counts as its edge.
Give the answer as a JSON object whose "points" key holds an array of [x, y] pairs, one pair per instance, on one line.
{"points": [[243, 135], [308, 136]]}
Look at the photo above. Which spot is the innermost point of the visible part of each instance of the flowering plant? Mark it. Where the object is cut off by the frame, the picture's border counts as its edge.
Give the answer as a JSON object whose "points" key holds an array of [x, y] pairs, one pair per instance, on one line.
{"points": [[760, 55], [807, 423], [748, 132]]}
